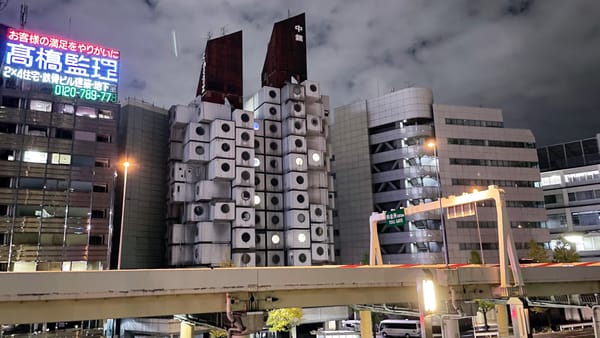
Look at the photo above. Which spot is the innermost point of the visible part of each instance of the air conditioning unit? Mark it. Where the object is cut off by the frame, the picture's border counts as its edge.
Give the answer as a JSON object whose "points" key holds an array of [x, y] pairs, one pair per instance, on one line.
{"points": [[274, 201], [294, 180], [293, 109], [275, 258], [318, 196], [222, 129], [268, 111], [212, 254], [274, 220], [244, 217], [176, 133], [181, 192], [259, 200], [180, 234], [209, 190], [180, 255], [259, 145], [196, 152], [244, 137], [314, 125], [272, 129], [222, 211], [180, 115], [273, 164], [318, 213], [317, 143], [312, 90], [260, 258], [259, 182], [296, 199], [199, 132], [210, 232], [197, 212], [299, 257], [243, 196], [261, 243], [319, 252], [297, 219], [259, 128], [294, 162], [294, 144], [243, 259], [273, 183], [294, 126], [243, 238], [244, 177], [221, 169], [318, 232], [272, 147], [244, 156], [258, 163], [316, 159], [222, 148], [260, 218], [274, 240], [175, 151], [292, 91], [210, 111], [317, 179], [243, 118], [180, 172]]}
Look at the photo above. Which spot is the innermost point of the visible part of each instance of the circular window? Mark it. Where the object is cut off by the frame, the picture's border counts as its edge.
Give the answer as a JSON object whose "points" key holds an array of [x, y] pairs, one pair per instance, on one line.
{"points": [[274, 164], [298, 143], [246, 216], [275, 239], [225, 208], [299, 161], [274, 200], [301, 218], [297, 90], [298, 125], [297, 107], [319, 231], [272, 94], [275, 219], [256, 180], [300, 198], [256, 200], [302, 258], [273, 128], [256, 162], [200, 150], [246, 195], [275, 259], [273, 146], [314, 122], [200, 131], [245, 175], [315, 157], [246, 237], [225, 147], [245, 118], [299, 179], [274, 182], [245, 156], [320, 251], [256, 218], [318, 211], [225, 127], [225, 167], [273, 111], [198, 210], [313, 88], [256, 144], [258, 260], [246, 258], [245, 137]]}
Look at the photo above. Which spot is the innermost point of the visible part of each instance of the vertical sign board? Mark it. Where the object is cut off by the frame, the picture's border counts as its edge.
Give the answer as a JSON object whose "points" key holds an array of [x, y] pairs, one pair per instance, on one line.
{"points": [[74, 69], [395, 218]]}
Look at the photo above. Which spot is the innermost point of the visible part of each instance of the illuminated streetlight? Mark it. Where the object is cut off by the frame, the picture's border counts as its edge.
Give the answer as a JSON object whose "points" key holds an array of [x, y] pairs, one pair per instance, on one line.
{"points": [[126, 166], [432, 144]]}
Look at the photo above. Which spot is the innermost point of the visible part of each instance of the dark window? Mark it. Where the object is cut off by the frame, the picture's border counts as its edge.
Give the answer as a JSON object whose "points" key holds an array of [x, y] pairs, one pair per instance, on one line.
{"points": [[103, 138], [9, 101], [98, 213], [557, 156], [5, 182], [98, 187], [66, 134], [82, 161], [8, 128], [550, 199]]}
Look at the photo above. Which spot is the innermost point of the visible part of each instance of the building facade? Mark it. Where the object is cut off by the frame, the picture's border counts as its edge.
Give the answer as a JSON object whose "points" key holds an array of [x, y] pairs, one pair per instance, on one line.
{"points": [[58, 146], [406, 151], [571, 183]]}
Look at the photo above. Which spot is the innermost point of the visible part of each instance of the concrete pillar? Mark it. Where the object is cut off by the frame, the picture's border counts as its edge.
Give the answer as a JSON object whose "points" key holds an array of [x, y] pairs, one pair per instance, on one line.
{"points": [[502, 320], [366, 324], [186, 330]]}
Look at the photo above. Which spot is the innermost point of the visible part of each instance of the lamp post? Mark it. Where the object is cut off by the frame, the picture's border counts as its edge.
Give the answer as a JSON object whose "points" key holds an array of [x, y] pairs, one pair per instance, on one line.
{"points": [[126, 165], [433, 145]]}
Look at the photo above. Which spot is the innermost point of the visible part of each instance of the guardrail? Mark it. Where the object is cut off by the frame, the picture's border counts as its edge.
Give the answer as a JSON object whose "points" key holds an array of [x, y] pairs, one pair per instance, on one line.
{"points": [[575, 326], [487, 334]]}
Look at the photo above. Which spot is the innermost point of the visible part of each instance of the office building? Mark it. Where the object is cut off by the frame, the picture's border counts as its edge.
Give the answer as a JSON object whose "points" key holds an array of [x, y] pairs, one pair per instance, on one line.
{"points": [[58, 131], [571, 183], [400, 149]]}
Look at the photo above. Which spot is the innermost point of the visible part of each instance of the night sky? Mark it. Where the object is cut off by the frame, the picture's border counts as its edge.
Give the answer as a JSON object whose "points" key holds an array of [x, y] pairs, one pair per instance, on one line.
{"points": [[539, 61]]}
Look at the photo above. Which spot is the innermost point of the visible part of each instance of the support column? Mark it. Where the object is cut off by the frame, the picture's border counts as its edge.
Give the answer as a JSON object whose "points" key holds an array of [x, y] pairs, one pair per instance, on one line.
{"points": [[502, 317], [186, 330], [366, 324]]}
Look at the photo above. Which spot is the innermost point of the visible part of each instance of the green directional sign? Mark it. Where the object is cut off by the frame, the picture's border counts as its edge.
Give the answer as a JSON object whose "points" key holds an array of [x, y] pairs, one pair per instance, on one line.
{"points": [[395, 218]]}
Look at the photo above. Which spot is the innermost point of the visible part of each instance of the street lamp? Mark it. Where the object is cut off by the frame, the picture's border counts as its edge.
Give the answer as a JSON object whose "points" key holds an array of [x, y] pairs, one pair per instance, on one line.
{"points": [[432, 144], [126, 165]]}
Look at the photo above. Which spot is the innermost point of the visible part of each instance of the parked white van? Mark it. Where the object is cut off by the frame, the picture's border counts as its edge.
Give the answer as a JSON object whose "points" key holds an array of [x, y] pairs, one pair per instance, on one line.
{"points": [[400, 328]]}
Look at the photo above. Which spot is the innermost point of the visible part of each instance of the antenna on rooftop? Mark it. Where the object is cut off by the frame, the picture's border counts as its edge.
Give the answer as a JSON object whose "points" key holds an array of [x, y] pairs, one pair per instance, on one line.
{"points": [[24, 10], [208, 35], [3, 4], [223, 29]]}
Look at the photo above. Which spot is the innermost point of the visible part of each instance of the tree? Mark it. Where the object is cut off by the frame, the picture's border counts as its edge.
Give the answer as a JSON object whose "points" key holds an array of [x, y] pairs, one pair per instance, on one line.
{"points": [[484, 306], [284, 319], [475, 257], [564, 252], [537, 252]]}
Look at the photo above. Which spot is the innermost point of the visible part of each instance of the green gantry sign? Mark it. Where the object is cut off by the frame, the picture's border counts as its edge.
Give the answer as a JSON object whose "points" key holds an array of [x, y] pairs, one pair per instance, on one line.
{"points": [[395, 217]]}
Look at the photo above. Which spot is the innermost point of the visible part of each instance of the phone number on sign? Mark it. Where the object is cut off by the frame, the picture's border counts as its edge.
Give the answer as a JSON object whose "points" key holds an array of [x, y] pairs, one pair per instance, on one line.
{"points": [[85, 94]]}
